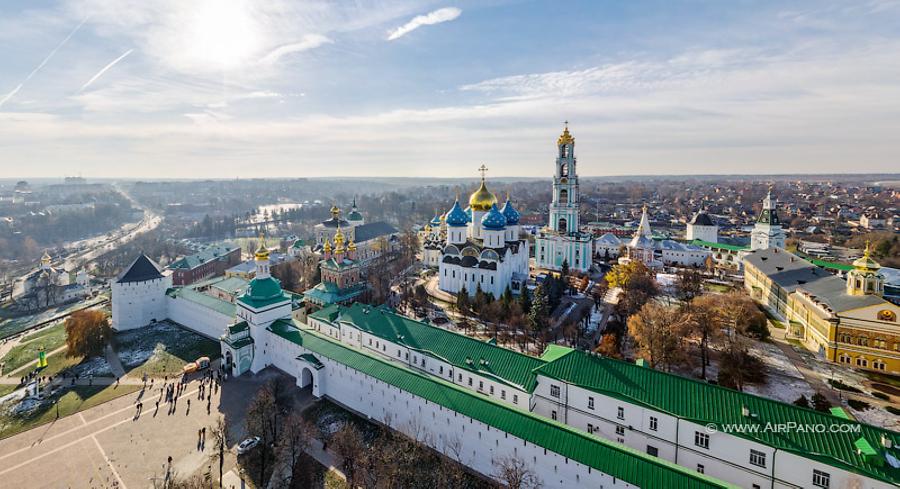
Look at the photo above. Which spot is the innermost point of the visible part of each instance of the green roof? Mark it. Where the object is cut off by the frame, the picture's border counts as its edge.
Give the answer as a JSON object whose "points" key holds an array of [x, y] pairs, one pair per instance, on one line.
{"points": [[238, 327], [328, 313], [311, 359], [720, 246], [611, 458], [329, 293], [210, 253], [208, 301], [704, 403], [831, 265], [501, 364], [263, 292], [230, 285], [238, 344], [839, 412], [552, 352]]}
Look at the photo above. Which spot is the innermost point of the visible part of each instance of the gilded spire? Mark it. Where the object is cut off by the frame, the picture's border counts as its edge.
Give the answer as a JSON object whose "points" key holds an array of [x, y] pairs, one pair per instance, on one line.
{"points": [[565, 137], [262, 253], [338, 241]]}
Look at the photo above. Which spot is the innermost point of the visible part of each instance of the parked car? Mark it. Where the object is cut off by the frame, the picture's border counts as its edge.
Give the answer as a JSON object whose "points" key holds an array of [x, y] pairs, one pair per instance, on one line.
{"points": [[247, 445]]}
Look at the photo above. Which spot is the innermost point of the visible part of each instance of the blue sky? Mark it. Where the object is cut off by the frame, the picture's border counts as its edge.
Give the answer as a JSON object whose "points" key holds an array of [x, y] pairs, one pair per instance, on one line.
{"points": [[290, 88]]}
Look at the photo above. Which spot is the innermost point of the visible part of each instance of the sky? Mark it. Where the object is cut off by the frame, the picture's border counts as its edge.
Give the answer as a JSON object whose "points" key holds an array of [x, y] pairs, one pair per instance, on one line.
{"points": [[297, 88]]}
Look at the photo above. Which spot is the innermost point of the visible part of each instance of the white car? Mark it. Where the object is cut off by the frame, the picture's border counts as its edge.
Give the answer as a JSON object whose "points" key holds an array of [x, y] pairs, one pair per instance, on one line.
{"points": [[247, 445]]}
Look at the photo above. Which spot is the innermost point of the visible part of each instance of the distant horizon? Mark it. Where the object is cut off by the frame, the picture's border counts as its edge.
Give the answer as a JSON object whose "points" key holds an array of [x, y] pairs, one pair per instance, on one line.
{"points": [[419, 88], [505, 178]]}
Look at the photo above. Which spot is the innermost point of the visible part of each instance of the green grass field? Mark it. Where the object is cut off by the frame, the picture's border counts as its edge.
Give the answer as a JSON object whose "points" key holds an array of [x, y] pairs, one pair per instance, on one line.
{"points": [[49, 338], [70, 402], [162, 349]]}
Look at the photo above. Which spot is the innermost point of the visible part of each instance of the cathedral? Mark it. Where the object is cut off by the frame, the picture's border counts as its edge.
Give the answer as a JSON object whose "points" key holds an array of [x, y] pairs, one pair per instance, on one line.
{"points": [[482, 248], [562, 241]]}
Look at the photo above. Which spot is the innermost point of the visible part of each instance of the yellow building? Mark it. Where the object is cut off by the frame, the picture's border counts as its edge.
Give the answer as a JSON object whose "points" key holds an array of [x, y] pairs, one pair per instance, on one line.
{"points": [[847, 322]]}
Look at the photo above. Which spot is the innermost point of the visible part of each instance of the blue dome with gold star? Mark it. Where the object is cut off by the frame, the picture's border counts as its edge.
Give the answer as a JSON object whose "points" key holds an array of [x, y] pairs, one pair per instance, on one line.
{"points": [[456, 217], [494, 219], [510, 213]]}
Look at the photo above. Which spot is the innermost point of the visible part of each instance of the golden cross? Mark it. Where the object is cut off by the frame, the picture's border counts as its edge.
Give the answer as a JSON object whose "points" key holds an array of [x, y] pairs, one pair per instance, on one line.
{"points": [[483, 170]]}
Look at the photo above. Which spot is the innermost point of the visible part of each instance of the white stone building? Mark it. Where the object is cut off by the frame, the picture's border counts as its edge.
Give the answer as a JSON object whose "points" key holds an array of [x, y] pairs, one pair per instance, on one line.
{"points": [[483, 247], [139, 295], [703, 228]]}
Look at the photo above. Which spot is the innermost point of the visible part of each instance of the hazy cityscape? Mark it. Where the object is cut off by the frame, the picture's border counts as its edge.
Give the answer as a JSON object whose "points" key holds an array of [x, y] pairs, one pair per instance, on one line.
{"points": [[224, 264]]}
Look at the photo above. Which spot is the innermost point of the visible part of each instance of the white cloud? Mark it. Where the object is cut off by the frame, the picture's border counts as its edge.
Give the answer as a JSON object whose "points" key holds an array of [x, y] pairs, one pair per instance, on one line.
{"points": [[309, 41], [436, 17]]}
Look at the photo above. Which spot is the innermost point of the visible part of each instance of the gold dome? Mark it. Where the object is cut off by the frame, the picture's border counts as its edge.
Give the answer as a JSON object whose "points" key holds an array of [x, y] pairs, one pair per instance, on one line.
{"points": [[866, 262], [351, 246], [565, 137], [327, 246], [262, 253], [482, 199]]}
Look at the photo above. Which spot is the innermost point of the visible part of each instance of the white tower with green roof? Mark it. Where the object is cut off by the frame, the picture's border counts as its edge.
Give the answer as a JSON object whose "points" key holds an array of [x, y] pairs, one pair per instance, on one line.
{"points": [[767, 232], [263, 303]]}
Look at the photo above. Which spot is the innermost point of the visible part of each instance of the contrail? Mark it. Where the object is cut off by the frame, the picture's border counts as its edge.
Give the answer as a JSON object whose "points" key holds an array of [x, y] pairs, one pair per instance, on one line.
{"points": [[105, 69], [34, 71]]}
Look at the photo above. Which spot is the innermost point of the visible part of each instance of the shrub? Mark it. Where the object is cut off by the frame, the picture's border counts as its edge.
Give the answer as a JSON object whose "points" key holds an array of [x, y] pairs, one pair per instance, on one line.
{"points": [[837, 384], [858, 405]]}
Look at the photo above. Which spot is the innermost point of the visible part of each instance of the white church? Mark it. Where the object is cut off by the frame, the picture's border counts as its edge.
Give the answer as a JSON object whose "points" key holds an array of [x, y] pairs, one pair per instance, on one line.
{"points": [[483, 248]]}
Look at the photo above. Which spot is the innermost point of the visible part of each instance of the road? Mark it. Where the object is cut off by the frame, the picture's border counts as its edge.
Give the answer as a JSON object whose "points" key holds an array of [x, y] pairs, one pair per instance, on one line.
{"points": [[102, 244]]}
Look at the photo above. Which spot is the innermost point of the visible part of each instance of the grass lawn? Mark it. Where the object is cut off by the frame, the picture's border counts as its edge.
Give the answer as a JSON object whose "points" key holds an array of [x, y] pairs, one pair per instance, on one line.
{"points": [[7, 388], [58, 362], [50, 339], [70, 402], [162, 349], [718, 288], [57, 330]]}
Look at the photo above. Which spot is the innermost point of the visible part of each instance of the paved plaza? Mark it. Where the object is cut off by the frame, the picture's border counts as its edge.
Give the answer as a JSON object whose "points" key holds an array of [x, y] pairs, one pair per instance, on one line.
{"points": [[112, 445]]}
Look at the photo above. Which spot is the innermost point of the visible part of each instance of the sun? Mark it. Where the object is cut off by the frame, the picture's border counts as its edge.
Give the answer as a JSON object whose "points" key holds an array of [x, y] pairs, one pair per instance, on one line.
{"points": [[221, 35]]}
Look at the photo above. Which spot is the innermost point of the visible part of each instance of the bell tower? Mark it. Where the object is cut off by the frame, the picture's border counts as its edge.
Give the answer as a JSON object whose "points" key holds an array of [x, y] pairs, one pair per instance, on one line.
{"points": [[564, 206]]}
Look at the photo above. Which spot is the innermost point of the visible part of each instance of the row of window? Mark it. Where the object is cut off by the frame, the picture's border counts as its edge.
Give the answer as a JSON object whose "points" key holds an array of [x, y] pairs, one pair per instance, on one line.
{"points": [[861, 362], [864, 341]]}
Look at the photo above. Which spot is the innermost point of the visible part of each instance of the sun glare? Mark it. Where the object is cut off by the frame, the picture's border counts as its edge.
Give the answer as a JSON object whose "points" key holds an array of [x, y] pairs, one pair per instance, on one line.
{"points": [[221, 35]]}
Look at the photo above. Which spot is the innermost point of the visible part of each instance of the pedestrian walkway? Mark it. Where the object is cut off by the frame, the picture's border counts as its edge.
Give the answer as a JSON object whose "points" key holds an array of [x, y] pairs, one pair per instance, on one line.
{"points": [[809, 375], [112, 358]]}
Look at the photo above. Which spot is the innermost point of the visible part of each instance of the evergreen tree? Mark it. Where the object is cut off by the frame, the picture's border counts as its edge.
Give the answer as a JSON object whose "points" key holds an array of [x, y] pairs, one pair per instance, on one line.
{"points": [[564, 272], [802, 401], [820, 403], [540, 308], [462, 301], [525, 300]]}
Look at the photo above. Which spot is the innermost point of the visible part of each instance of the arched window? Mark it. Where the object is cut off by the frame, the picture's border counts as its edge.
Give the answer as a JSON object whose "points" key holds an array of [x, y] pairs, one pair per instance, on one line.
{"points": [[563, 196], [562, 226], [564, 170]]}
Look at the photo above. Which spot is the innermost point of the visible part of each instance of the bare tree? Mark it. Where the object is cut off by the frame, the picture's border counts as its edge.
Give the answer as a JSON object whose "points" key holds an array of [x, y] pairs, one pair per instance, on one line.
{"points": [[295, 437], [349, 446], [220, 441], [515, 474], [658, 331]]}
